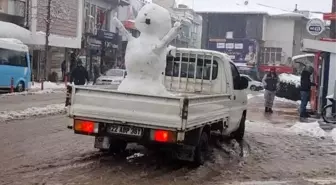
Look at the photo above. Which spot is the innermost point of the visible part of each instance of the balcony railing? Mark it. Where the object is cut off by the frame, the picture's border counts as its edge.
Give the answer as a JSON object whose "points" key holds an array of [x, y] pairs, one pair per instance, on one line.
{"points": [[16, 8]]}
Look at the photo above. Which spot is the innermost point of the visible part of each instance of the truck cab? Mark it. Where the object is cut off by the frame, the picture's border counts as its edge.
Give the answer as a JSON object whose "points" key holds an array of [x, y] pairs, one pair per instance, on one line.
{"points": [[207, 96]]}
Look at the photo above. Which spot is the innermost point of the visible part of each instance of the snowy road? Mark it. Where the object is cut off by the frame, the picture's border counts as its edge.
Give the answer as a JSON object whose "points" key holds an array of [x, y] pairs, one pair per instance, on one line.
{"points": [[21, 102], [42, 150]]}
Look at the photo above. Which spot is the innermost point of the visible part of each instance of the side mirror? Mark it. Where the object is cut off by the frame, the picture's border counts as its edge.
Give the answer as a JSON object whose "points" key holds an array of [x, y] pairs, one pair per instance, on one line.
{"points": [[243, 84]]}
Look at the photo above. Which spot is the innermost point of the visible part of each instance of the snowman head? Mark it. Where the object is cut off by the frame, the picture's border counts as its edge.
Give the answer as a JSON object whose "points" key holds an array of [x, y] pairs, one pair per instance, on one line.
{"points": [[154, 20]]}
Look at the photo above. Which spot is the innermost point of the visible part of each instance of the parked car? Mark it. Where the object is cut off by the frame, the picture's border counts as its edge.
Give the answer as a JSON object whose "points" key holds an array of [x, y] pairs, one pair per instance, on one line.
{"points": [[253, 85], [112, 77], [212, 100]]}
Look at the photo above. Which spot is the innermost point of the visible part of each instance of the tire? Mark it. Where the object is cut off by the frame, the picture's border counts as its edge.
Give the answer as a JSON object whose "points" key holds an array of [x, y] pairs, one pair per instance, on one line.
{"points": [[253, 88], [116, 146], [202, 150], [20, 87], [325, 117], [238, 135]]}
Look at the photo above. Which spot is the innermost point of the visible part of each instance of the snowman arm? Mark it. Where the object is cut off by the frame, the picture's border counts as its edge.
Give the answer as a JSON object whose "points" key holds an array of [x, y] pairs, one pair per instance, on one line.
{"points": [[170, 36], [122, 28]]}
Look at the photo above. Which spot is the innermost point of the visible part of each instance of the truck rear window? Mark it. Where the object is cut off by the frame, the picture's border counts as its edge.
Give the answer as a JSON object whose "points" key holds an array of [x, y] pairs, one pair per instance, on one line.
{"points": [[188, 71]]}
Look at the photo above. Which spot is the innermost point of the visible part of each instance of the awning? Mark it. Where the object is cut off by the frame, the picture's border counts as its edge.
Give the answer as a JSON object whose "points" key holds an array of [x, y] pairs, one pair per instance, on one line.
{"points": [[10, 30]]}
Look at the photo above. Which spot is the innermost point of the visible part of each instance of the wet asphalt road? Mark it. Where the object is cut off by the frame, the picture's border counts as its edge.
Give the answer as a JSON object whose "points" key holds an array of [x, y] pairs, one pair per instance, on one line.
{"points": [[42, 150]]}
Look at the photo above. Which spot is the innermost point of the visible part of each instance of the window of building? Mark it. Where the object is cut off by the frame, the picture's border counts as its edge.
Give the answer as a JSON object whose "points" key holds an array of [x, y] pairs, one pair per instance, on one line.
{"points": [[101, 18], [270, 55]]}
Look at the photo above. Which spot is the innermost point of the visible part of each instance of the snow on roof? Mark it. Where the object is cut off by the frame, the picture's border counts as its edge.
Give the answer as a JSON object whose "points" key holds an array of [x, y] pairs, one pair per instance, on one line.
{"points": [[13, 44], [10, 30], [234, 6]]}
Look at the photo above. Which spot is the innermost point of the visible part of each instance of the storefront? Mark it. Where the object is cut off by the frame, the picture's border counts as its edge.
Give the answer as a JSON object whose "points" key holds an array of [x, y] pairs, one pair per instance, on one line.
{"points": [[324, 73], [109, 46]]}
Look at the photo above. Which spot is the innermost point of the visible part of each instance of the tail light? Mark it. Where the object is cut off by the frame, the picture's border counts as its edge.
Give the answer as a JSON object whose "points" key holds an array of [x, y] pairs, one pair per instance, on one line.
{"points": [[87, 127], [163, 136]]}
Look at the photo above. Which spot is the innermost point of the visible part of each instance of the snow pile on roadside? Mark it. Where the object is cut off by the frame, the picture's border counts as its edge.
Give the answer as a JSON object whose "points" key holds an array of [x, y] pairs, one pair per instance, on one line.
{"points": [[333, 134], [309, 129], [47, 91], [291, 79], [32, 112], [284, 100], [48, 85]]}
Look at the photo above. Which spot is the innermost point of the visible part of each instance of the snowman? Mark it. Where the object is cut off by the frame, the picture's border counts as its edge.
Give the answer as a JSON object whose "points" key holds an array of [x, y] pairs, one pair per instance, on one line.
{"points": [[145, 58]]}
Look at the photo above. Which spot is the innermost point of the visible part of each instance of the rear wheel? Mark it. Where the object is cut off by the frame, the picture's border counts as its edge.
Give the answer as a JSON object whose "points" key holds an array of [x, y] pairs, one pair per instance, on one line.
{"points": [[253, 88], [202, 150], [20, 87], [240, 132]]}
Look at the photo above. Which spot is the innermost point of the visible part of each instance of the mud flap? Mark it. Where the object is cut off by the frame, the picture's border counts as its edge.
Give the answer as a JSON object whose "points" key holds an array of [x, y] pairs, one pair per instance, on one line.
{"points": [[185, 153], [102, 142]]}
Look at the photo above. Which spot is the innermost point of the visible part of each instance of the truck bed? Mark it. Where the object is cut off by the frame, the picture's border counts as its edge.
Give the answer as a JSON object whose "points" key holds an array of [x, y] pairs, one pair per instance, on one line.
{"points": [[111, 106]]}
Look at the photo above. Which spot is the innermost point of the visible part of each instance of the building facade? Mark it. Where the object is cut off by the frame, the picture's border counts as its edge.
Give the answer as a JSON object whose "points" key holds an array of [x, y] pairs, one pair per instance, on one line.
{"points": [[277, 36], [27, 21], [191, 32], [13, 11], [101, 42], [191, 24]]}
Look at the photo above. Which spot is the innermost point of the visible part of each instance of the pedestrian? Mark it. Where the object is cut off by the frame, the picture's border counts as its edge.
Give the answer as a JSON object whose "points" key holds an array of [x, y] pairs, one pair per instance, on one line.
{"points": [[305, 88], [63, 69], [270, 82], [96, 72], [79, 74]]}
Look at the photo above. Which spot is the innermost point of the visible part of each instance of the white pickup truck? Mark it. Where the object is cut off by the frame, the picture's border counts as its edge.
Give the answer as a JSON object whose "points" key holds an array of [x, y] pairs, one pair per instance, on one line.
{"points": [[207, 95]]}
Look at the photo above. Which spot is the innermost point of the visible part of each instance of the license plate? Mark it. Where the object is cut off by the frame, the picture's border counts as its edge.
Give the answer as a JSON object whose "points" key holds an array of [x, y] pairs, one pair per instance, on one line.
{"points": [[125, 130]]}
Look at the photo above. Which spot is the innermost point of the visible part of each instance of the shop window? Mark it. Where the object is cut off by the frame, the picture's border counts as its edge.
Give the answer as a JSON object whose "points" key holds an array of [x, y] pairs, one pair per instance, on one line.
{"points": [[270, 55]]}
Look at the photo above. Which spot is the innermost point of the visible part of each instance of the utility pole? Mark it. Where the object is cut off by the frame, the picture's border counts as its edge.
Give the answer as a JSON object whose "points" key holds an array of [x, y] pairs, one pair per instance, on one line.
{"points": [[333, 22]]}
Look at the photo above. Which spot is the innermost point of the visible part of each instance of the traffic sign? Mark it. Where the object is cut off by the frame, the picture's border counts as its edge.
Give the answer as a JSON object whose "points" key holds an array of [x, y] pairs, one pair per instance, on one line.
{"points": [[315, 27]]}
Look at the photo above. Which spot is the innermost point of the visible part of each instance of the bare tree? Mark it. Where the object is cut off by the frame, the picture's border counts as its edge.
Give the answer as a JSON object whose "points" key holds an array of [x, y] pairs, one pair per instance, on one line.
{"points": [[48, 12]]}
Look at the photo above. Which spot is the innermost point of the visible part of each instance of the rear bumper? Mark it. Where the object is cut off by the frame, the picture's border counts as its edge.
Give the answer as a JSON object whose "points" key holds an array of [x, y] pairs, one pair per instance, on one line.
{"points": [[103, 130]]}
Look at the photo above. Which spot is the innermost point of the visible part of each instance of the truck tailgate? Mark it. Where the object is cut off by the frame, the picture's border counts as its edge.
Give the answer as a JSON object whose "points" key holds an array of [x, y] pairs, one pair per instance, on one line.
{"points": [[109, 105]]}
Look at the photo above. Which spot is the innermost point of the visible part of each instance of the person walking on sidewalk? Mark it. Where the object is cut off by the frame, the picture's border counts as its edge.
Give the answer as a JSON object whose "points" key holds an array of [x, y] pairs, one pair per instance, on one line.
{"points": [[305, 88], [79, 74], [63, 69], [270, 82]]}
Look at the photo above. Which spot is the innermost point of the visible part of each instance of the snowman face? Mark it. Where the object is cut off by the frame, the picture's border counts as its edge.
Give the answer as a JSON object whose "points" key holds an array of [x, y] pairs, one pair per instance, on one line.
{"points": [[154, 20]]}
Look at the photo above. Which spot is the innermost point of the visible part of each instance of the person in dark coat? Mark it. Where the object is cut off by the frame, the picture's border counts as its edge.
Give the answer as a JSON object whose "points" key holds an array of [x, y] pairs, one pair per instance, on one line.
{"points": [[79, 74], [63, 69], [270, 82], [305, 88]]}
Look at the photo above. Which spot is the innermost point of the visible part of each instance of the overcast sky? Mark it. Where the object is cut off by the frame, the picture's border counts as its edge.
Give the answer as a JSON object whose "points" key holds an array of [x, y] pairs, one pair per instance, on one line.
{"points": [[312, 5]]}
